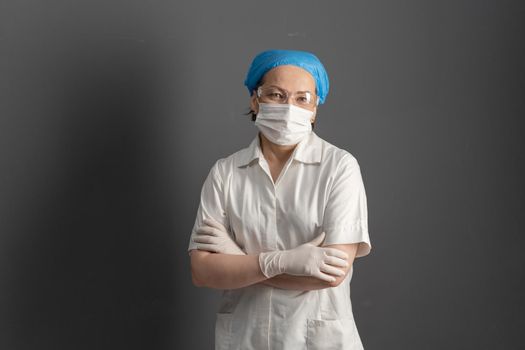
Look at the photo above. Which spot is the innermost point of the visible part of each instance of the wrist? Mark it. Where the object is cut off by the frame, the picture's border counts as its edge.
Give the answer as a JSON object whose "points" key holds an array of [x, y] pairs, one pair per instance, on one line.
{"points": [[270, 263]]}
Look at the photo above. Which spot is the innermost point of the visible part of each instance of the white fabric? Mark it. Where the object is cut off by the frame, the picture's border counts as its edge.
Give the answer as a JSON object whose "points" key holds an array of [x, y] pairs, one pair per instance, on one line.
{"points": [[308, 259], [214, 237], [284, 124], [320, 189]]}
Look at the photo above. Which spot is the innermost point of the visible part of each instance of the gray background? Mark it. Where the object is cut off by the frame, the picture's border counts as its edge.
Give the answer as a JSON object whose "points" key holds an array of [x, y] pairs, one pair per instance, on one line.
{"points": [[112, 113]]}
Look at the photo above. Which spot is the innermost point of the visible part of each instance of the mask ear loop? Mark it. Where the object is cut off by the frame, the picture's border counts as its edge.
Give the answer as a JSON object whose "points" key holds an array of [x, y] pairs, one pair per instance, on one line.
{"points": [[257, 95], [316, 105]]}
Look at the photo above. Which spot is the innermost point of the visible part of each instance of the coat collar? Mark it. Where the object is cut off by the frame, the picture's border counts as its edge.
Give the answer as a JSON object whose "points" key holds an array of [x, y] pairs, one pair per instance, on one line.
{"points": [[308, 151]]}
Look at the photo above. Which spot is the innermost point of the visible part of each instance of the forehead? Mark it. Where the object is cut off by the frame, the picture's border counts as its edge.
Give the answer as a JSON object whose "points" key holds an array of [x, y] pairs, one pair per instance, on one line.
{"points": [[290, 77]]}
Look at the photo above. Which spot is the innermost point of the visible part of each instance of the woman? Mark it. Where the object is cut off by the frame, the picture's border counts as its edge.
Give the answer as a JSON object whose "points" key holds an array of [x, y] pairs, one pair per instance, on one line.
{"points": [[280, 222]]}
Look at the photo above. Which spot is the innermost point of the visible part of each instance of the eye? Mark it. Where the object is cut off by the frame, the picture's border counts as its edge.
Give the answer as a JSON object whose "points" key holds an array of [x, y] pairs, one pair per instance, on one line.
{"points": [[276, 95], [303, 99]]}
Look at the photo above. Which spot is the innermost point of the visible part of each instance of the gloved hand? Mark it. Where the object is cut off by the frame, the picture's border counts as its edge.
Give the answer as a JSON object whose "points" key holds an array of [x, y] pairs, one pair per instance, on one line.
{"points": [[213, 237], [308, 259]]}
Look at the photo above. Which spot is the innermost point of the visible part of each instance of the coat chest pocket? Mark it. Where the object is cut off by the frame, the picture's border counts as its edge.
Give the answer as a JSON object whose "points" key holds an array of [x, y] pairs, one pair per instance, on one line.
{"points": [[223, 331], [332, 334]]}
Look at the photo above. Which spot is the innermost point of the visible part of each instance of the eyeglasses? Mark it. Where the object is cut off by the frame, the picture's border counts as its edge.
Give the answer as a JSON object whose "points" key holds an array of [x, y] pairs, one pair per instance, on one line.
{"points": [[273, 94]]}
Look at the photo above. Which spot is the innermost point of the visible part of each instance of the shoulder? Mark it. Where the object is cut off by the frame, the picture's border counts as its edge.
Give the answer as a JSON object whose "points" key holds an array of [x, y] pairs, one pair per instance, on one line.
{"points": [[223, 167], [336, 157]]}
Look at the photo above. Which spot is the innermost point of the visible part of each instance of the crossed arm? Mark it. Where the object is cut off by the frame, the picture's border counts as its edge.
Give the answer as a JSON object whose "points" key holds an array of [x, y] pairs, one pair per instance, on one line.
{"points": [[285, 281], [227, 271]]}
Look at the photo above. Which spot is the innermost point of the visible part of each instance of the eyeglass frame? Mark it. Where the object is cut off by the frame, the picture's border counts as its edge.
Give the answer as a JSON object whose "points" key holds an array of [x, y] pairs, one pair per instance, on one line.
{"points": [[288, 95]]}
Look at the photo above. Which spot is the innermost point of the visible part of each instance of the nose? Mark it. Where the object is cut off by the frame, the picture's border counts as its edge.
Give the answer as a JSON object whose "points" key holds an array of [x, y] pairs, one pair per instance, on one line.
{"points": [[288, 99]]}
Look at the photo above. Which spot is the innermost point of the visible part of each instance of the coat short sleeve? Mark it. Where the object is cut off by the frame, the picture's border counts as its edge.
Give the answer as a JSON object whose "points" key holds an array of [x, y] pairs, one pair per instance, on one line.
{"points": [[212, 204], [345, 219]]}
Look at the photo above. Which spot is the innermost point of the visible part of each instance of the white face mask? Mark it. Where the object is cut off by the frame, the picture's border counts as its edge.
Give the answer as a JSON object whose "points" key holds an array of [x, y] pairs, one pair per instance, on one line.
{"points": [[284, 124]]}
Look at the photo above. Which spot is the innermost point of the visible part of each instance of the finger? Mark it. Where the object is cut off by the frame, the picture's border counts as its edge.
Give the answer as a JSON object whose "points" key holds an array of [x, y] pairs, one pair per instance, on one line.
{"points": [[324, 277], [211, 222], [334, 261], [207, 230], [205, 239], [208, 247], [331, 270], [318, 240], [336, 252]]}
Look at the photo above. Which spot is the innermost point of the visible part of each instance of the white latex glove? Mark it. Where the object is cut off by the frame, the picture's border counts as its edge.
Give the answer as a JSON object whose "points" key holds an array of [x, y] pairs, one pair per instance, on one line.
{"points": [[213, 237], [308, 259]]}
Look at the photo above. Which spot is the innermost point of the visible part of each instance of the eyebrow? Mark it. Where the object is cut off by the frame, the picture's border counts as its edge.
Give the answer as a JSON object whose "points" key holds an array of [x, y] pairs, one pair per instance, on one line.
{"points": [[278, 87]]}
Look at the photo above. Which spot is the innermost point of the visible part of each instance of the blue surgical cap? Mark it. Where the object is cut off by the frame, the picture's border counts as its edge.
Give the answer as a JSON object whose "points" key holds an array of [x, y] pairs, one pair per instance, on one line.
{"points": [[267, 60]]}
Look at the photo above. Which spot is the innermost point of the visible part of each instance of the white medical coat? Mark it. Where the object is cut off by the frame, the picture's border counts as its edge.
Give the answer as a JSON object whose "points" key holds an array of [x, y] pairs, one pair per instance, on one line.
{"points": [[320, 188]]}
